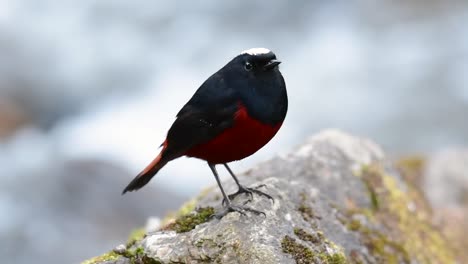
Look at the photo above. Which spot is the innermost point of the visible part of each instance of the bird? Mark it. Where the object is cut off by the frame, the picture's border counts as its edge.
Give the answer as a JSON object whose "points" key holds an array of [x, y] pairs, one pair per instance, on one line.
{"points": [[232, 115]]}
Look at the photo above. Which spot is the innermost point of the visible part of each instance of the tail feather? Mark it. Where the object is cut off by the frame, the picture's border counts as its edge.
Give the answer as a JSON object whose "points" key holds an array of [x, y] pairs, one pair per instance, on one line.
{"points": [[145, 176]]}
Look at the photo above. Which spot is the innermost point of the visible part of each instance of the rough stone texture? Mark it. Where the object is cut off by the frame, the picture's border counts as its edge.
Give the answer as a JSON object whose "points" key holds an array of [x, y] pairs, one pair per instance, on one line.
{"points": [[336, 201]]}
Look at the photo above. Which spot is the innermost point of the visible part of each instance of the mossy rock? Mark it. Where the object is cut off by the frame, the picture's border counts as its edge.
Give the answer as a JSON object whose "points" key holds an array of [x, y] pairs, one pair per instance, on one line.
{"points": [[337, 200], [398, 229], [188, 222]]}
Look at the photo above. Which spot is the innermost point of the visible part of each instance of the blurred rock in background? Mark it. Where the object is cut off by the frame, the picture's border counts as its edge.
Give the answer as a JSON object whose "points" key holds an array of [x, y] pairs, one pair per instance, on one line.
{"points": [[446, 187]]}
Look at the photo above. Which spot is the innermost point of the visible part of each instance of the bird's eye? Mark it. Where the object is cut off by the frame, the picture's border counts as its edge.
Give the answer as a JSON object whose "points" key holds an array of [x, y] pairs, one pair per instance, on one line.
{"points": [[248, 66]]}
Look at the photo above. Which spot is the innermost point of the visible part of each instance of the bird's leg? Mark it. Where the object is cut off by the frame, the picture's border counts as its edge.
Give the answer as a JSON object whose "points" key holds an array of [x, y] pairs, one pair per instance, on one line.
{"points": [[243, 189], [228, 206]]}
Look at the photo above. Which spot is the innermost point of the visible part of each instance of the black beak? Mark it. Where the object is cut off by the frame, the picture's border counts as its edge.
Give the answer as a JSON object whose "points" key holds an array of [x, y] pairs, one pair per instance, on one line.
{"points": [[271, 64]]}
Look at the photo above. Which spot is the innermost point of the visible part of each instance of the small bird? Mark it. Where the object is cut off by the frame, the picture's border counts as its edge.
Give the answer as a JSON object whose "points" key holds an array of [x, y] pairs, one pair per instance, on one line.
{"points": [[233, 114]]}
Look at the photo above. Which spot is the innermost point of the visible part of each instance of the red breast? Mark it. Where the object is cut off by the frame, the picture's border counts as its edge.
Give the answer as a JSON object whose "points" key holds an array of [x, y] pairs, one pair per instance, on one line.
{"points": [[243, 139]]}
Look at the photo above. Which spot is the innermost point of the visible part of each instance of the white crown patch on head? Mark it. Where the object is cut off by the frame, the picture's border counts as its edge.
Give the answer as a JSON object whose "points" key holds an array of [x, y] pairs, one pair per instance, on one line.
{"points": [[256, 51]]}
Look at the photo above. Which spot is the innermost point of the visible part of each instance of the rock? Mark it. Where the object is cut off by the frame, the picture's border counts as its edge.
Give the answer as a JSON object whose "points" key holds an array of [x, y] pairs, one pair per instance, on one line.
{"points": [[120, 249], [445, 184], [337, 200], [446, 178]]}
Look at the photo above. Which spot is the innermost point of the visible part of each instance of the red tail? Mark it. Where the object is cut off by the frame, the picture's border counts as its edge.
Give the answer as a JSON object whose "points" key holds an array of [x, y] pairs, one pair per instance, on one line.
{"points": [[145, 176]]}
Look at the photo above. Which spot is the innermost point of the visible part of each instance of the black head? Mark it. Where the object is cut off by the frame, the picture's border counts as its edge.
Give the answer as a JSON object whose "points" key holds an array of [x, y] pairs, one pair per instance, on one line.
{"points": [[254, 75], [259, 60], [254, 62], [251, 68]]}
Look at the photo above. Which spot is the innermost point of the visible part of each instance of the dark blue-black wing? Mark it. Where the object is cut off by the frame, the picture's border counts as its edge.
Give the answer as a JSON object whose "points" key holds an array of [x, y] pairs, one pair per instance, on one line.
{"points": [[207, 114]]}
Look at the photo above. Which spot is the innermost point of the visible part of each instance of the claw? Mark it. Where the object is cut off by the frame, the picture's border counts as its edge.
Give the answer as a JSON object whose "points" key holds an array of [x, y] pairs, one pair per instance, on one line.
{"points": [[248, 191], [262, 194], [246, 202]]}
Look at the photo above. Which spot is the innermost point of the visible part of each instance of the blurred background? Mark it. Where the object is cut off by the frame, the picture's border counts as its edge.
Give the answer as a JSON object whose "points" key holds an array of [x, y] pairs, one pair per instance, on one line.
{"points": [[89, 88]]}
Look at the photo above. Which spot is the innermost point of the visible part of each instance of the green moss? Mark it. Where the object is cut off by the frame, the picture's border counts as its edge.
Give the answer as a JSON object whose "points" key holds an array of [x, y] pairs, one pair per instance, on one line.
{"points": [[320, 235], [372, 195], [148, 260], [300, 253], [399, 228], [420, 238], [135, 236], [110, 256], [135, 255], [188, 222], [337, 258], [354, 225], [305, 210], [131, 253], [185, 209], [305, 255], [303, 235], [138, 256]]}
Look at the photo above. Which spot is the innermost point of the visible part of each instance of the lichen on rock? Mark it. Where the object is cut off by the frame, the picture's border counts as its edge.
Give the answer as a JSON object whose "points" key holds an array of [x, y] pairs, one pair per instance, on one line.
{"points": [[320, 251]]}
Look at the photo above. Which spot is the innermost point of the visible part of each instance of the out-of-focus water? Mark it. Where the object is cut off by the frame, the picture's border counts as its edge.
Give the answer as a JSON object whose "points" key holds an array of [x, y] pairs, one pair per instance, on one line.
{"points": [[102, 81]]}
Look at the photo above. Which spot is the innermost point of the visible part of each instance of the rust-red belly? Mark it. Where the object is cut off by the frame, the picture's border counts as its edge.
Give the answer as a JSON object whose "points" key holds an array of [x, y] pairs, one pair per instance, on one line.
{"points": [[243, 139]]}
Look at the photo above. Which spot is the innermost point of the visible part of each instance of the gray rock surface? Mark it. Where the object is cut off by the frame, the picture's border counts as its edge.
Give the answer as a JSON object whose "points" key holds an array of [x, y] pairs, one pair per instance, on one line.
{"points": [[336, 201]]}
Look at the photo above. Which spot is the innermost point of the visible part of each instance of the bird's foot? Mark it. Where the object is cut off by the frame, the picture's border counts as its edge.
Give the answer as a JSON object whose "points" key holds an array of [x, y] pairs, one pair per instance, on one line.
{"points": [[235, 208], [249, 191]]}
